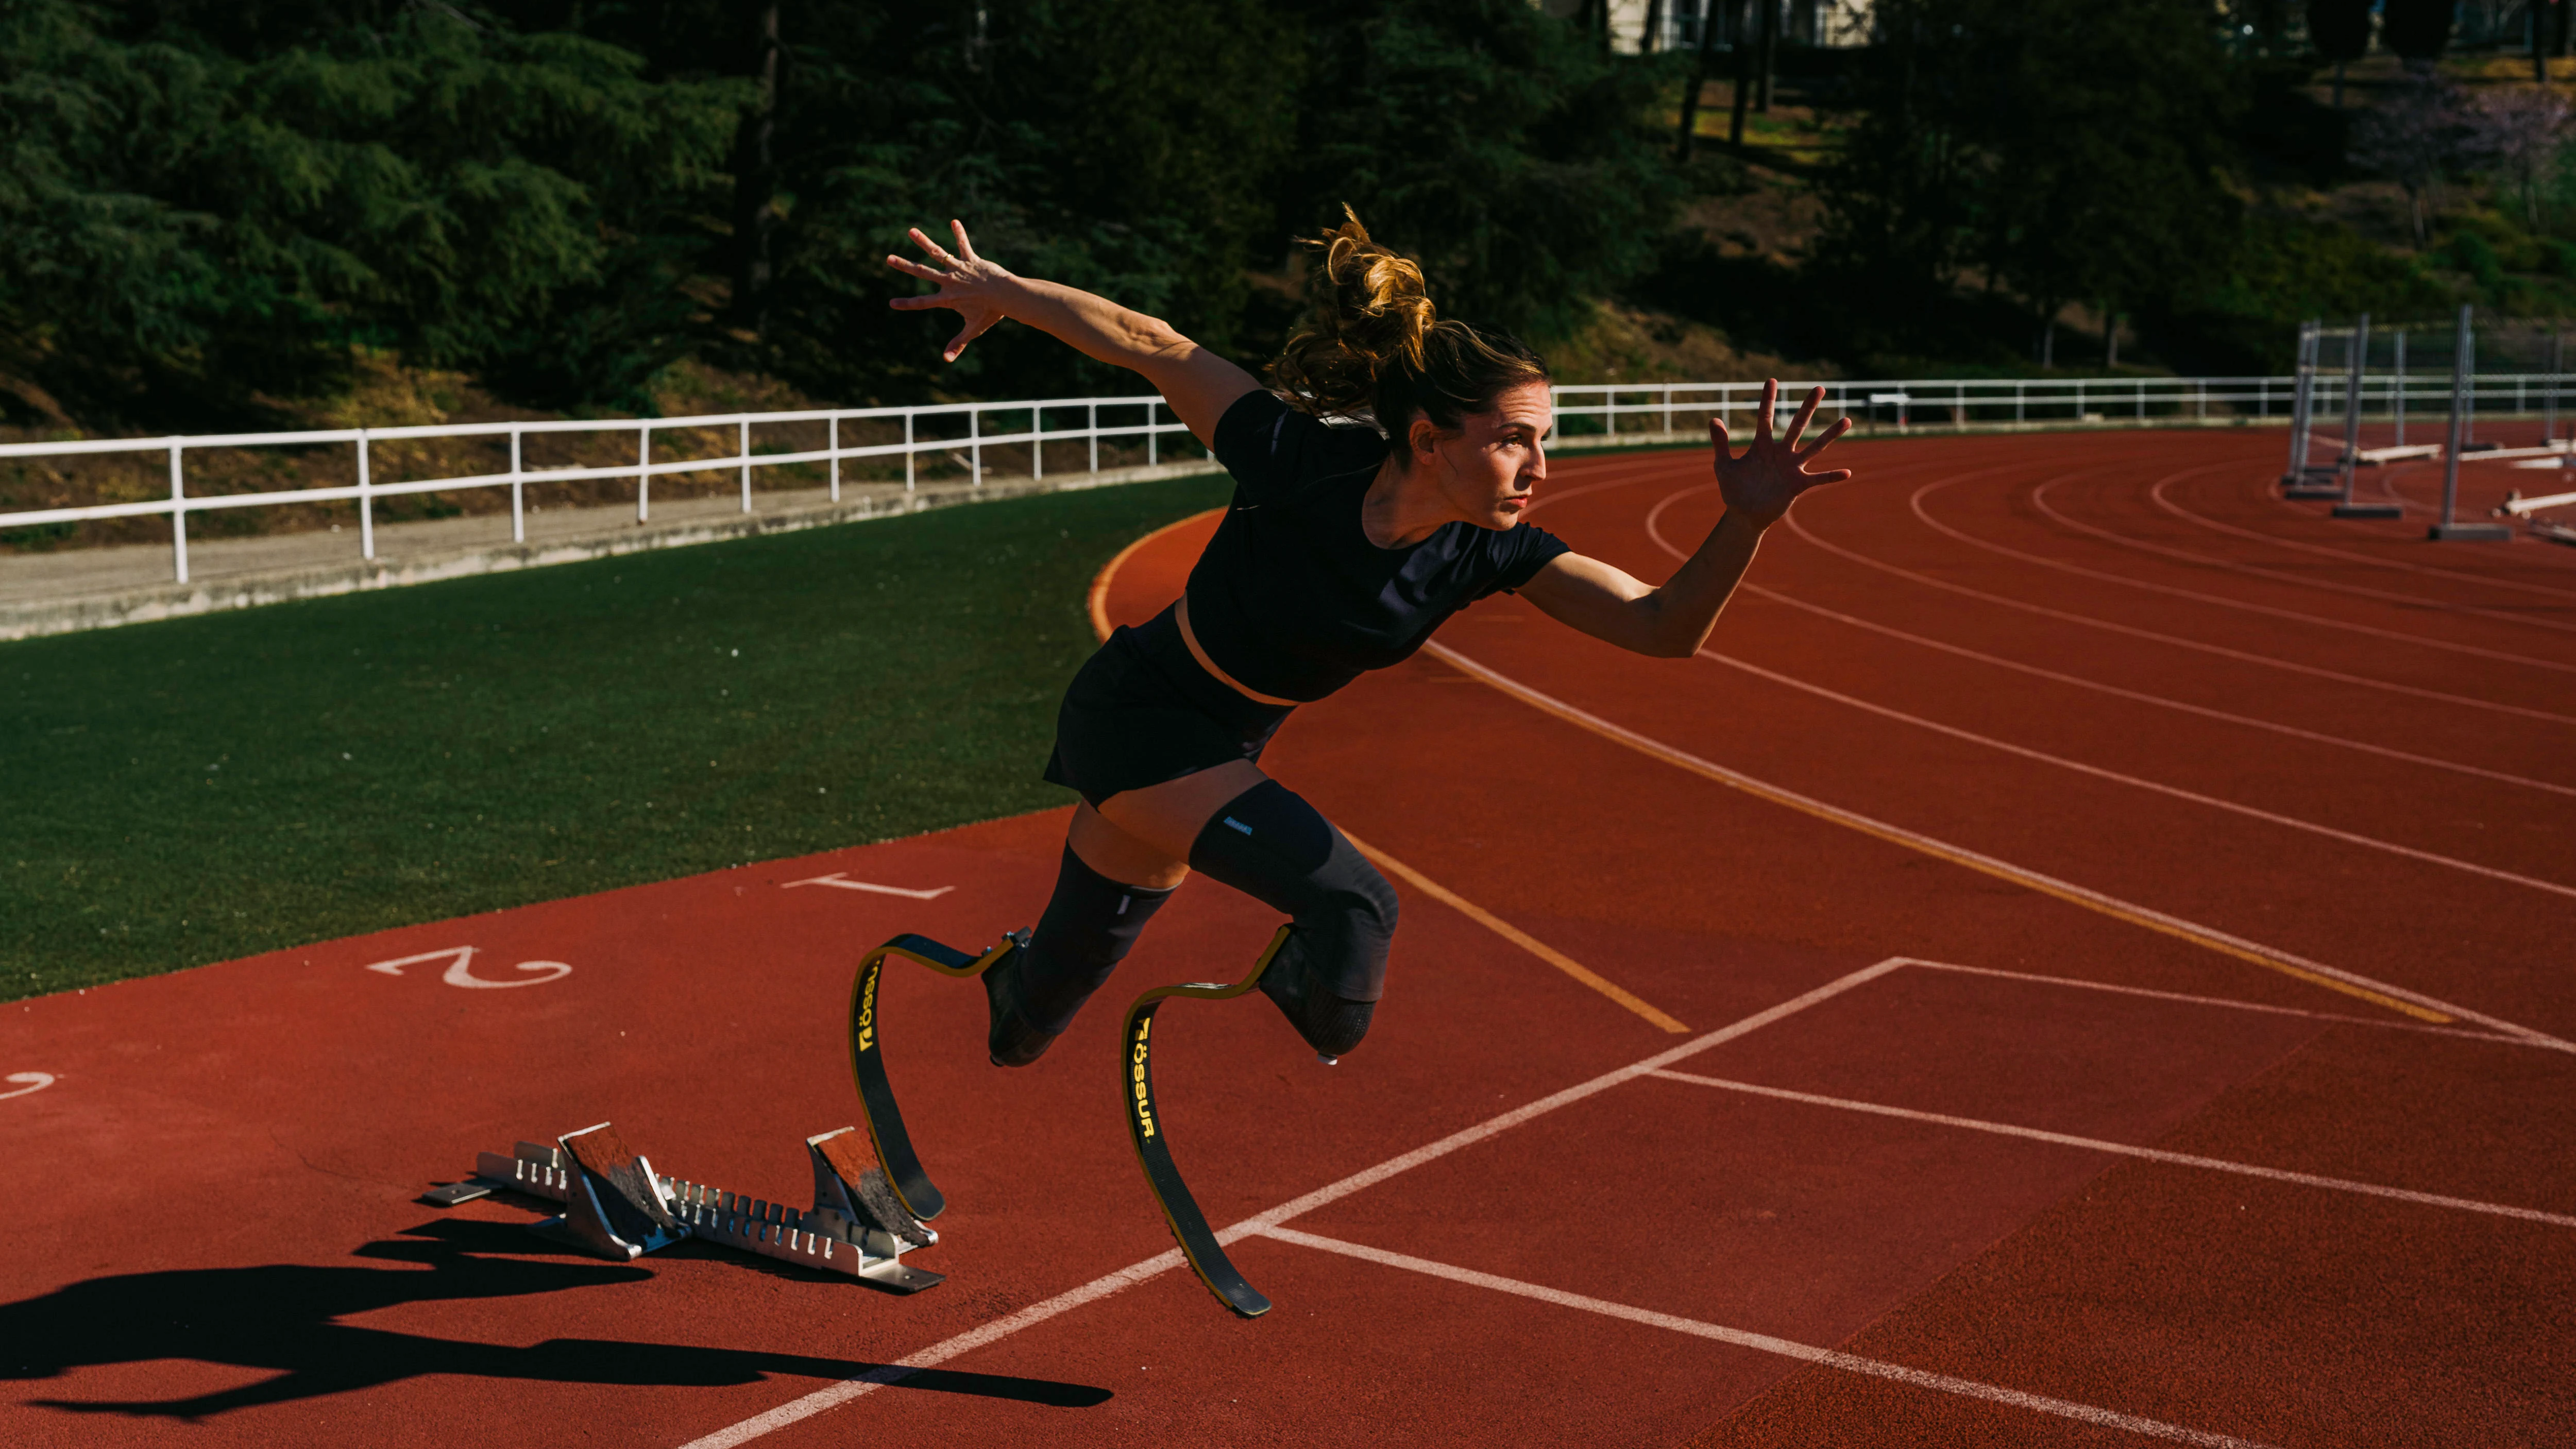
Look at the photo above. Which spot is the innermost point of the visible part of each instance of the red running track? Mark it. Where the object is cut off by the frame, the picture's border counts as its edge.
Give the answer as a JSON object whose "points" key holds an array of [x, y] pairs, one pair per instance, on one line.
{"points": [[2117, 921]]}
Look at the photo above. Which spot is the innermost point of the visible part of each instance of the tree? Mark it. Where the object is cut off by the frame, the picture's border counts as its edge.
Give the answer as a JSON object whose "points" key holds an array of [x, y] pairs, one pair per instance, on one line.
{"points": [[2522, 130], [2418, 30], [2067, 149], [183, 226], [2421, 132], [2340, 29], [1481, 136]]}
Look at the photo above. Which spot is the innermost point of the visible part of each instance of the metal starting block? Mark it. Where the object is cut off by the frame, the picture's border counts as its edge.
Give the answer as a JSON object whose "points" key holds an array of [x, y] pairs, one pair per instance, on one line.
{"points": [[617, 1207]]}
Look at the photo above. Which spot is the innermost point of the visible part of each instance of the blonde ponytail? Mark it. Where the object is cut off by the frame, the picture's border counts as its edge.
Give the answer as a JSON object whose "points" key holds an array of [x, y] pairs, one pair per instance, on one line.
{"points": [[1374, 345]]}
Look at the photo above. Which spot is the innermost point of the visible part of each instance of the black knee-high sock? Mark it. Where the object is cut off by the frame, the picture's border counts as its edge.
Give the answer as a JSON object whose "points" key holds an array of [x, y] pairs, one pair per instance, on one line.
{"points": [[1090, 923]]}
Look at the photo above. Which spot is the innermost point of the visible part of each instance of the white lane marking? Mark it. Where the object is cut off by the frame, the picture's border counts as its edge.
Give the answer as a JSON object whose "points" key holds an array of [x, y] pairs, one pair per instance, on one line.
{"points": [[824, 1398], [2343, 1018], [1765, 1343], [2065, 889], [2394, 636], [2177, 641], [2251, 812], [2177, 510], [2039, 497], [36, 1082], [1654, 530], [840, 881], [938, 1353], [2123, 1149], [2311, 736], [460, 969]]}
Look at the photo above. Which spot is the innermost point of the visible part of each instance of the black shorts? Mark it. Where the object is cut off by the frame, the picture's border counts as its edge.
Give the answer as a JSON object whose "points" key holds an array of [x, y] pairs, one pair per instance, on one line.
{"points": [[1142, 711]]}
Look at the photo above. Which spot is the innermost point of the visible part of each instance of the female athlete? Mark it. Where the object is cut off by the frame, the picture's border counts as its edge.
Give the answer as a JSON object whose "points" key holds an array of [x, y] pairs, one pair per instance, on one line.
{"points": [[1378, 490]]}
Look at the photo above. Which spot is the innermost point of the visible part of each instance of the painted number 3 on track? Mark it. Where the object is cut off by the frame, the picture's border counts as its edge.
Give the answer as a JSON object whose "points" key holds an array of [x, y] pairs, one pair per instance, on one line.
{"points": [[460, 969]]}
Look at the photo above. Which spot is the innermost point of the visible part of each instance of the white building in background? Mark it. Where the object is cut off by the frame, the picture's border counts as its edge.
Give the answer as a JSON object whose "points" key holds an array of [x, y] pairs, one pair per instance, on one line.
{"points": [[1827, 23]]}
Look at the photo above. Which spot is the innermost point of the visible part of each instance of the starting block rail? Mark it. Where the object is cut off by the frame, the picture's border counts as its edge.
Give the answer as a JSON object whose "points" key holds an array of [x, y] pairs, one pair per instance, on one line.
{"points": [[617, 1207]]}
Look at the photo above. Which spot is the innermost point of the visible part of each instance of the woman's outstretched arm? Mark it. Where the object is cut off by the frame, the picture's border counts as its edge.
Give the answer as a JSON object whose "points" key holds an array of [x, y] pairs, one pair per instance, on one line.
{"points": [[1673, 621], [1198, 384]]}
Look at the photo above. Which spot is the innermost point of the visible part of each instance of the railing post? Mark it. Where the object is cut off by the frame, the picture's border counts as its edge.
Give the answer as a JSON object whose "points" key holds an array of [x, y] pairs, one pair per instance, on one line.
{"points": [[366, 503], [1091, 428], [1668, 412], [2549, 393], [745, 455], [833, 442], [1037, 440], [975, 447], [643, 472], [178, 513], [2020, 401], [518, 488], [1153, 440], [908, 455]]}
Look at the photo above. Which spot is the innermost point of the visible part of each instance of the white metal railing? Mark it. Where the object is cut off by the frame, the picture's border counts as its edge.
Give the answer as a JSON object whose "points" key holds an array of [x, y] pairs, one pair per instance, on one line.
{"points": [[1938, 402], [1151, 426], [1583, 411]]}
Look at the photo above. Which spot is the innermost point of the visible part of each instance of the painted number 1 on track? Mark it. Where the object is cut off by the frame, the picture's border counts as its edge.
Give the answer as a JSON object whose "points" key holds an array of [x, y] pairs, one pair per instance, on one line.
{"points": [[460, 970]]}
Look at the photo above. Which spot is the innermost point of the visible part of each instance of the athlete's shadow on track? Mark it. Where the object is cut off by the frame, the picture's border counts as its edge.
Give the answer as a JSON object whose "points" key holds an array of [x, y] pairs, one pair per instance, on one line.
{"points": [[286, 1318]]}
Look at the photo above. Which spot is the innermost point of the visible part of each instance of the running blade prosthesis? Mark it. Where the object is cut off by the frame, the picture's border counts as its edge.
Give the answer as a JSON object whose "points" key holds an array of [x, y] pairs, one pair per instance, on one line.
{"points": [[1154, 1150], [867, 1062]]}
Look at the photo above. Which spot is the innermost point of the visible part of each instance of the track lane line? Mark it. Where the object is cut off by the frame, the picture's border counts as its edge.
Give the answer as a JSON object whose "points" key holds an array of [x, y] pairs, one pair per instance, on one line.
{"points": [[2124, 1149], [2154, 787], [2342, 1018], [1519, 937], [2157, 495], [2161, 701], [832, 1396], [2131, 631], [1654, 530], [2169, 590], [1767, 1343], [2351, 983], [2039, 499]]}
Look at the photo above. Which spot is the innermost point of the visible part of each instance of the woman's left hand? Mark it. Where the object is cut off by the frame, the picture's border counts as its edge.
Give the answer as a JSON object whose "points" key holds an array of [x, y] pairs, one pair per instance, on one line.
{"points": [[1773, 471]]}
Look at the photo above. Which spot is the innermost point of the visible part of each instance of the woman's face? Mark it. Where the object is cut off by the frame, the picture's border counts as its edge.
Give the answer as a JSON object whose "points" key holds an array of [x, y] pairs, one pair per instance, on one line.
{"points": [[1487, 469]]}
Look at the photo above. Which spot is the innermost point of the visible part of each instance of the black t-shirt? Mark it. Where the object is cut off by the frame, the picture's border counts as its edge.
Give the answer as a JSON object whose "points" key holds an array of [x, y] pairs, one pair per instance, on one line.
{"points": [[1291, 598]]}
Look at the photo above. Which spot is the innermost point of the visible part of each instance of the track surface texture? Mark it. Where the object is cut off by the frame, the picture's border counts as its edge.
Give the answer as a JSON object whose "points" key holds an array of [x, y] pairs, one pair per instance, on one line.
{"points": [[2081, 959]]}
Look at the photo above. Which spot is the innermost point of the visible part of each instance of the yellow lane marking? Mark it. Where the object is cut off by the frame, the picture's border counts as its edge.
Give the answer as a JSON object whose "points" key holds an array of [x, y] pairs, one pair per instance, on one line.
{"points": [[1517, 936], [1098, 602], [2136, 915]]}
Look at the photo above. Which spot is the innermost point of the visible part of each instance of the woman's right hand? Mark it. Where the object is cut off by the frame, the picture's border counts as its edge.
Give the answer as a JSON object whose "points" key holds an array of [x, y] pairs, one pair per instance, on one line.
{"points": [[968, 284]]}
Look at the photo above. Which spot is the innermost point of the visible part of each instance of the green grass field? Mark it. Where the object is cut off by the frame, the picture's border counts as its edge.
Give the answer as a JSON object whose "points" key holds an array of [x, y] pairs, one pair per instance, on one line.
{"points": [[207, 788]]}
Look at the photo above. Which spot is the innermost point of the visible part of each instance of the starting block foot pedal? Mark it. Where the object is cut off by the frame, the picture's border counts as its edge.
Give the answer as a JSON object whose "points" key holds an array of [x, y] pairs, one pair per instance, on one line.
{"points": [[614, 1206], [2368, 510]]}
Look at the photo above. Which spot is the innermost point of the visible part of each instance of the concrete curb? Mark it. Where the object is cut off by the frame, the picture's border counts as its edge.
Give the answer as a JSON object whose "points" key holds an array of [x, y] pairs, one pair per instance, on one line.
{"points": [[74, 613]]}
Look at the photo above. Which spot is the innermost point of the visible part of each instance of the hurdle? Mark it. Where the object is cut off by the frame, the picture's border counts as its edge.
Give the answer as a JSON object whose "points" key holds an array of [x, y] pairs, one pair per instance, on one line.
{"points": [[2304, 479], [617, 1207], [2517, 392], [2463, 405]]}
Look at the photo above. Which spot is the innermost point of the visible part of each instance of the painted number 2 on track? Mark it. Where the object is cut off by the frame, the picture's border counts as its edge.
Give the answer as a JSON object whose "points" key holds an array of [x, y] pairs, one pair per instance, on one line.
{"points": [[460, 969]]}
